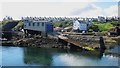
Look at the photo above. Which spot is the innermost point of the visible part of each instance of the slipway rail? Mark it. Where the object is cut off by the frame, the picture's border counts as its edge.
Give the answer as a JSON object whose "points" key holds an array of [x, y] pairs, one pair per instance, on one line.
{"points": [[74, 43]]}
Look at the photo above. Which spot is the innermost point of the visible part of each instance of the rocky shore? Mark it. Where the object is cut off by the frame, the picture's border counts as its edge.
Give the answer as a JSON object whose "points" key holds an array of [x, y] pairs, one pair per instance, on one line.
{"points": [[35, 41], [51, 42], [93, 41]]}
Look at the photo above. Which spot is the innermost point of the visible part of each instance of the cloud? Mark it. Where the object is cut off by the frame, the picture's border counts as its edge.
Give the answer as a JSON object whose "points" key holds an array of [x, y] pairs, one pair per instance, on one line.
{"points": [[81, 9], [94, 11], [85, 9], [111, 11], [18, 9], [107, 0], [89, 11]]}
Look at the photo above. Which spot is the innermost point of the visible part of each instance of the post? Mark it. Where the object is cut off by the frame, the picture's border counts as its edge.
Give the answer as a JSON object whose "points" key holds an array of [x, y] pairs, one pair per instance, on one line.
{"points": [[102, 44]]}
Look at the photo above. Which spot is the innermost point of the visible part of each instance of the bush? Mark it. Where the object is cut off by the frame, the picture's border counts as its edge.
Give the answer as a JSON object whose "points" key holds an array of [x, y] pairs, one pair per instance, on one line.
{"points": [[63, 23], [94, 28]]}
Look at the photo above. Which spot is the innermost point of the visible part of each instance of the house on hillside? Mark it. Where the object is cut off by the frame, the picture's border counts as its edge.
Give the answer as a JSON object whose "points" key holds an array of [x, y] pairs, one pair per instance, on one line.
{"points": [[7, 18], [101, 19], [81, 24], [37, 27], [95, 19], [108, 19]]}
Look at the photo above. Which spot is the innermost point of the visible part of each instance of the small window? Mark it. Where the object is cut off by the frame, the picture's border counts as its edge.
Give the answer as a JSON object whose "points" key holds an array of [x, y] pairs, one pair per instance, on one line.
{"points": [[24, 25], [29, 24], [42, 24], [38, 24], [33, 24]]}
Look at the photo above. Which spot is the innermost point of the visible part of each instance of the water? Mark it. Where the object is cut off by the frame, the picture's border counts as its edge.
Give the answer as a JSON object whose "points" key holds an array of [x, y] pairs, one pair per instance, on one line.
{"points": [[27, 56]]}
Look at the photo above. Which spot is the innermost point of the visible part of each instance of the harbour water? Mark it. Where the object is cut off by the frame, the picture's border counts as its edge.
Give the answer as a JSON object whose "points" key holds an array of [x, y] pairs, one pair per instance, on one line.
{"points": [[30, 56]]}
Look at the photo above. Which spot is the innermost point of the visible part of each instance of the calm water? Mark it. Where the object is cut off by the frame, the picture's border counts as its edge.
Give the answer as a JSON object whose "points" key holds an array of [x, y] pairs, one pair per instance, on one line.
{"points": [[24, 56]]}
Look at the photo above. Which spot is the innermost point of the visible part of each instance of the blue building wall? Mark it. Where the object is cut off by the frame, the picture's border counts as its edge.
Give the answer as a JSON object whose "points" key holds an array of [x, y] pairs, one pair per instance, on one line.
{"points": [[49, 28]]}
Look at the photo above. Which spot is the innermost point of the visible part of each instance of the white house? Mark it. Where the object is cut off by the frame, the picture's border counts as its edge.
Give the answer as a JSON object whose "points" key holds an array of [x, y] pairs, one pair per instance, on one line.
{"points": [[101, 19], [7, 18], [81, 24]]}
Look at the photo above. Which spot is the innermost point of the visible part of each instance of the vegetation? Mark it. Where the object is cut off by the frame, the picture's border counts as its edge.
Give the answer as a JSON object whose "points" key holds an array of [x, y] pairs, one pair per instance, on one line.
{"points": [[104, 26], [19, 25], [115, 23], [7, 21], [93, 28], [110, 41], [89, 48], [2, 23], [63, 24]]}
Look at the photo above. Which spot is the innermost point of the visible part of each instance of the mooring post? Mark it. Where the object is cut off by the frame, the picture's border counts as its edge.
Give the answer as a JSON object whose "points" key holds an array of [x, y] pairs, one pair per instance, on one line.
{"points": [[102, 44]]}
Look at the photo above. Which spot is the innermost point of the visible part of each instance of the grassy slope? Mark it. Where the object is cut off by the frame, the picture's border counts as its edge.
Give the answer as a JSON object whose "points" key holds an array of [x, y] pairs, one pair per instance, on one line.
{"points": [[104, 26], [18, 26], [64, 24]]}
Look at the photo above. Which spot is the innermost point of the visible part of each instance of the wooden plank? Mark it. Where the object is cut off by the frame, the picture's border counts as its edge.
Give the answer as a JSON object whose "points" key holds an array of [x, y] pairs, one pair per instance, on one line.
{"points": [[76, 43]]}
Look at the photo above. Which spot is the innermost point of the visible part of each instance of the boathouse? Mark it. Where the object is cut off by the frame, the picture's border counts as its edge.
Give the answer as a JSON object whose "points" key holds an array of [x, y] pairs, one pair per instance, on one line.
{"points": [[38, 27]]}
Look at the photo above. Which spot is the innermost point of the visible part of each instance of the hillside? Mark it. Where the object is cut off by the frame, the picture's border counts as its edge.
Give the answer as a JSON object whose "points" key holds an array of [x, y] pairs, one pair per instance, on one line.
{"points": [[11, 24]]}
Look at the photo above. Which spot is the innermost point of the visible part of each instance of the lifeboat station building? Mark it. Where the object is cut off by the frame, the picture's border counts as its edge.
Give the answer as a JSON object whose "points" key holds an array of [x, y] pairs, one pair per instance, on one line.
{"points": [[37, 27]]}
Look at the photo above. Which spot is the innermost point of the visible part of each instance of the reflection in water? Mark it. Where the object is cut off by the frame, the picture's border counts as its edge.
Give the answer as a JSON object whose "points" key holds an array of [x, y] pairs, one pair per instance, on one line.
{"points": [[54, 57], [37, 56], [58, 57]]}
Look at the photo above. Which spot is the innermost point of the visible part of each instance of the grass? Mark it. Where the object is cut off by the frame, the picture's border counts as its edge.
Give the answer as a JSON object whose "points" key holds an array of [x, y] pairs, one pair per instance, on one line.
{"points": [[63, 24], [104, 32], [110, 41], [89, 48], [104, 27], [19, 25], [6, 21]]}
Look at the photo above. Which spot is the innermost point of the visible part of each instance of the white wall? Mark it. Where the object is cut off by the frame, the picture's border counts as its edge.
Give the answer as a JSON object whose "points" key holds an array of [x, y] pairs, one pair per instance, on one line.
{"points": [[76, 25], [80, 26], [101, 19]]}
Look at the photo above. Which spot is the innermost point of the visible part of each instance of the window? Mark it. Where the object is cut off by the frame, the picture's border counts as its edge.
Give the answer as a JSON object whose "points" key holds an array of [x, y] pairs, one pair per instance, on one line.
{"points": [[38, 24], [25, 26], [33, 24], [42, 23], [29, 24]]}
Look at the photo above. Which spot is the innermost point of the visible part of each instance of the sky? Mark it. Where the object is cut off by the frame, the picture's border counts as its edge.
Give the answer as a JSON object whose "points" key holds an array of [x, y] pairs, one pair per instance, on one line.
{"points": [[81, 8]]}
